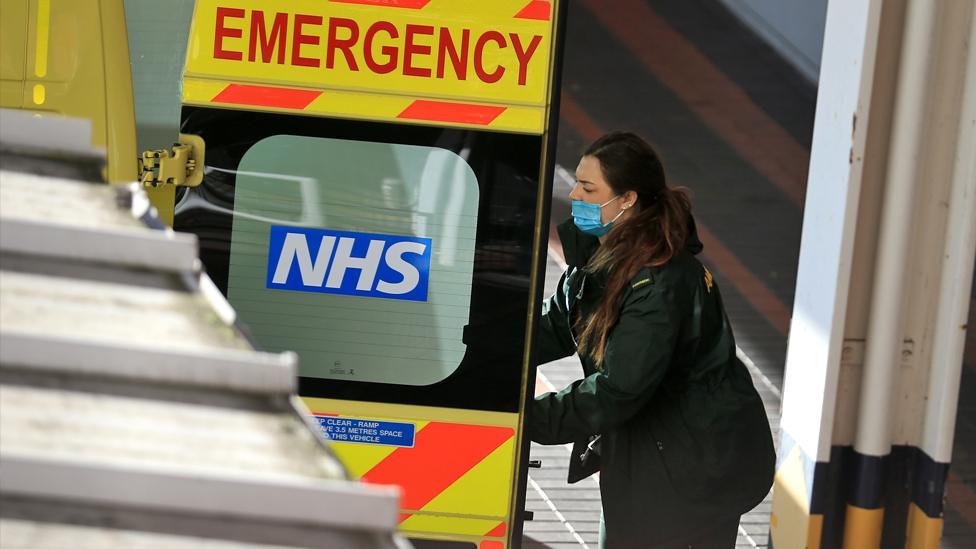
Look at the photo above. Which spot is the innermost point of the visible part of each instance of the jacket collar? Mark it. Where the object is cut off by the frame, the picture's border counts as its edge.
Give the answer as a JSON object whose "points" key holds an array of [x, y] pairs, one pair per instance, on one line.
{"points": [[579, 247], [693, 244]]}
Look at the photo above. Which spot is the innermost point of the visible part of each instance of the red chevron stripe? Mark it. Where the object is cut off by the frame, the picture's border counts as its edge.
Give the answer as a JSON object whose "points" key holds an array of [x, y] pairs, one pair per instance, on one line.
{"points": [[497, 531], [266, 96], [440, 111], [411, 4], [536, 9], [442, 453]]}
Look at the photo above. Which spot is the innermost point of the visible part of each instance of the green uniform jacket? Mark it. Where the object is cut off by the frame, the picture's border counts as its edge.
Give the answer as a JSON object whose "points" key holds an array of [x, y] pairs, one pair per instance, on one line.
{"points": [[684, 435]]}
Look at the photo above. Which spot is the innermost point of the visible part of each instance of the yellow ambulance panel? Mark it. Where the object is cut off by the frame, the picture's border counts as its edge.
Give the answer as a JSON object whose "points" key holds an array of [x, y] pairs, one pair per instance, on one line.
{"points": [[453, 62], [337, 131]]}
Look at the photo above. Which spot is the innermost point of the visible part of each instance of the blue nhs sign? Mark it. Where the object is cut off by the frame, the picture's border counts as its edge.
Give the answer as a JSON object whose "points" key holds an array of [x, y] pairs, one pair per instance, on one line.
{"points": [[348, 263]]}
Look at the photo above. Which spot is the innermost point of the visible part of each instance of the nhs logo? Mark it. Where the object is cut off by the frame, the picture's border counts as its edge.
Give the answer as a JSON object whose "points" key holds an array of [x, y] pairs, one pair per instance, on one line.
{"points": [[341, 262]]}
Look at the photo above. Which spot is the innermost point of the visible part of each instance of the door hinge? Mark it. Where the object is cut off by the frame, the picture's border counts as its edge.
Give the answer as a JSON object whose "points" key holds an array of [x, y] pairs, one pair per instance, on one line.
{"points": [[182, 166]]}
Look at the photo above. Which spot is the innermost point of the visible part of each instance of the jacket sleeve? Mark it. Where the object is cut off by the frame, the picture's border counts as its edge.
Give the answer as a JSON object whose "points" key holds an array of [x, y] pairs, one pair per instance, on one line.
{"points": [[554, 340], [636, 360]]}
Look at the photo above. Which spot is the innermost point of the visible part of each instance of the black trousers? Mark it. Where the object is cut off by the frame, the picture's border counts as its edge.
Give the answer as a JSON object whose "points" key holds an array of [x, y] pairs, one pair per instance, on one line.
{"points": [[721, 535]]}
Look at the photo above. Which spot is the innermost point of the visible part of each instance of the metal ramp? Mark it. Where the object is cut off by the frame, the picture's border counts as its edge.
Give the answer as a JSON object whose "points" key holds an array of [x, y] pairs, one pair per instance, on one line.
{"points": [[134, 412]]}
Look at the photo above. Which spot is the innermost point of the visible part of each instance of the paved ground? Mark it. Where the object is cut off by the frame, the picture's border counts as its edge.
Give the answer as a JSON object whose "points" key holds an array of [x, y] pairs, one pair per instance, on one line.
{"points": [[733, 123]]}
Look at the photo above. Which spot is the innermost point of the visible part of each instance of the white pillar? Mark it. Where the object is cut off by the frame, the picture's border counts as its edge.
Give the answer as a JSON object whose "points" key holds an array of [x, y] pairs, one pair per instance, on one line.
{"points": [[824, 272]]}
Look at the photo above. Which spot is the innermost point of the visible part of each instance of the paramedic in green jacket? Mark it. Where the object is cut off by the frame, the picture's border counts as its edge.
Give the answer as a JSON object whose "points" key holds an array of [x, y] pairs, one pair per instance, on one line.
{"points": [[684, 445]]}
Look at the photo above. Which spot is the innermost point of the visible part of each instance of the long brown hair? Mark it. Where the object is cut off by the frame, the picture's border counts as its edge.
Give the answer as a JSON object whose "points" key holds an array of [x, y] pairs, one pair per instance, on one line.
{"points": [[649, 238]]}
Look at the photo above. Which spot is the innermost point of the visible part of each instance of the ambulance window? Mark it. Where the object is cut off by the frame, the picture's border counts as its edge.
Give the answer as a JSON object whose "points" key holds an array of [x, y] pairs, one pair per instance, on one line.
{"points": [[357, 255], [157, 51]]}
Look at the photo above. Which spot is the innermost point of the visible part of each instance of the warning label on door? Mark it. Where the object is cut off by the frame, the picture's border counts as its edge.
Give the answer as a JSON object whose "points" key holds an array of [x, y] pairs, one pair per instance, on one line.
{"points": [[366, 431]]}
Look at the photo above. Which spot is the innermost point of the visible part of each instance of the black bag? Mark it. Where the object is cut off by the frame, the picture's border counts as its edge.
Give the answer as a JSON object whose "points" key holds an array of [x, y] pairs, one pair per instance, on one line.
{"points": [[584, 460]]}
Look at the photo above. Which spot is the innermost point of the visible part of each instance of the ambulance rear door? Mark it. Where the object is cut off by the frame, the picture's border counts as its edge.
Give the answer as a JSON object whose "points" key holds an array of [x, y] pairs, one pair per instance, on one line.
{"points": [[376, 196]]}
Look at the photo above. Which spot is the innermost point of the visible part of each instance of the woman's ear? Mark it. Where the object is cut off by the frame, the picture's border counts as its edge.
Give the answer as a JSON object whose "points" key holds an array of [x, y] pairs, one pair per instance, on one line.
{"points": [[629, 200]]}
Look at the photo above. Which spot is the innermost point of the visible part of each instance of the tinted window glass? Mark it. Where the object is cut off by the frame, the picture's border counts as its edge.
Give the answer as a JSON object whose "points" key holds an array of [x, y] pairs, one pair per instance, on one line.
{"points": [[269, 175], [354, 303]]}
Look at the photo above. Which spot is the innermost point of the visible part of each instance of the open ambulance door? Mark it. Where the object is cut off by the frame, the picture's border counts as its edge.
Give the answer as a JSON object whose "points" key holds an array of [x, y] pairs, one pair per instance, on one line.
{"points": [[376, 195]]}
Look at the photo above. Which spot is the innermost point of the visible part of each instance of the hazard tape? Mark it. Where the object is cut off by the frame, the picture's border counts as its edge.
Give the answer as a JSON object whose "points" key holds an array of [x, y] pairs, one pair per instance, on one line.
{"points": [[456, 473], [363, 106], [453, 63]]}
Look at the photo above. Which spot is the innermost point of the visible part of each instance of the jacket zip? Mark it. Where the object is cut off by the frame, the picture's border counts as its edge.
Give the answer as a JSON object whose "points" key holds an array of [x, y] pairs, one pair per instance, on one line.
{"points": [[569, 306]]}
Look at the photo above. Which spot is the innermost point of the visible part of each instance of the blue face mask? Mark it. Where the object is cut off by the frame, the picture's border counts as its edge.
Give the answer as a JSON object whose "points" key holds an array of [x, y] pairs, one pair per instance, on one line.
{"points": [[586, 216]]}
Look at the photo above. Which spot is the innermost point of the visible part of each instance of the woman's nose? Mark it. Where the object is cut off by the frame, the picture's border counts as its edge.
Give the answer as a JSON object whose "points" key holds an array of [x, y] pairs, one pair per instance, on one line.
{"points": [[575, 194]]}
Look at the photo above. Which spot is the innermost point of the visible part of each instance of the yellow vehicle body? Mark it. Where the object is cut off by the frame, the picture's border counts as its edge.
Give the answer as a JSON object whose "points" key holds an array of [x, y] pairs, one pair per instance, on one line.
{"points": [[72, 58], [470, 68], [374, 60], [69, 66], [398, 66]]}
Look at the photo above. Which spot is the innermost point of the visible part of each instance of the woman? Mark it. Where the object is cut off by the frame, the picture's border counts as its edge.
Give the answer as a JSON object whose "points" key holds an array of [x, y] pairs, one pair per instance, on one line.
{"points": [[684, 445]]}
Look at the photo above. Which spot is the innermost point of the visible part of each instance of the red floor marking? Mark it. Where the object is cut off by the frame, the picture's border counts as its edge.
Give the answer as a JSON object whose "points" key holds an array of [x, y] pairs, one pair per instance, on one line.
{"points": [[717, 100], [583, 124], [961, 499], [747, 284]]}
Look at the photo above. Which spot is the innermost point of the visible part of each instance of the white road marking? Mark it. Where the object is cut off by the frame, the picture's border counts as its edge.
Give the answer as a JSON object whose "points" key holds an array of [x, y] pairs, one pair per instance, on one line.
{"points": [[751, 541], [552, 506], [566, 177], [751, 366], [545, 381], [556, 259]]}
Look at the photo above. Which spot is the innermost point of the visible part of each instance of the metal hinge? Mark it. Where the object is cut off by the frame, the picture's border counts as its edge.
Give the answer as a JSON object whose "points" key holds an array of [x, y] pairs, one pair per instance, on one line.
{"points": [[182, 166]]}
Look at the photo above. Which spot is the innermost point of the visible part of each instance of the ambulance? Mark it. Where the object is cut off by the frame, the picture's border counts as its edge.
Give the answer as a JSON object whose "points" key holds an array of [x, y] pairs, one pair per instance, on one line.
{"points": [[369, 181]]}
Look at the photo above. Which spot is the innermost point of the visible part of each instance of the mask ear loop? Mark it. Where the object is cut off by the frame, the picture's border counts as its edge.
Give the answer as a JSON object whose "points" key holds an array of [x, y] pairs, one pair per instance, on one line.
{"points": [[614, 220], [622, 210]]}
